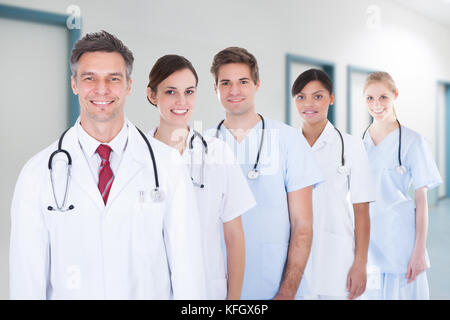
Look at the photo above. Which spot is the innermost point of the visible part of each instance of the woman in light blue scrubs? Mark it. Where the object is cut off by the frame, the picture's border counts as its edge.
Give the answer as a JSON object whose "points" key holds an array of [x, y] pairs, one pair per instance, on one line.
{"points": [[398, 157]]}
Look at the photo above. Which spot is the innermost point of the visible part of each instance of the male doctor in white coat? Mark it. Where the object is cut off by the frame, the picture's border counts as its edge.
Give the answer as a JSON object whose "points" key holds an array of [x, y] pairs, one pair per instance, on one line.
{"points": [[111, 238]]}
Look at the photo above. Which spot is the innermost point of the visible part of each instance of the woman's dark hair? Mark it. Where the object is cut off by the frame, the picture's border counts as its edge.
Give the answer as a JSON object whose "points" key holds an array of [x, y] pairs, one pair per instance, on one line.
{"points": [[164, 67], [311, 75]]}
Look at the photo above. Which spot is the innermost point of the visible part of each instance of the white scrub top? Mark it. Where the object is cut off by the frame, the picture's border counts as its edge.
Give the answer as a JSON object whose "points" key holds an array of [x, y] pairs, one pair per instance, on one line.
{"points": [[225, 196], [286, 164], [333, 246], [392, 216], [130, 248]]}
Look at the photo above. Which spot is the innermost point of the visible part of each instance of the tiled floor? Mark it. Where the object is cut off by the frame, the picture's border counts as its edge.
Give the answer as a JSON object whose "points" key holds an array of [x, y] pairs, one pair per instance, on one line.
{"points": [[439, 250]]}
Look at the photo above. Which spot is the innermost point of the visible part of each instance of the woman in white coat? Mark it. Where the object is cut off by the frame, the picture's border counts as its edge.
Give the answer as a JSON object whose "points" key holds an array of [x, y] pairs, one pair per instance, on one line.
{"points": [[336, 267], [398, 157], [222, 192], [84, 239]]}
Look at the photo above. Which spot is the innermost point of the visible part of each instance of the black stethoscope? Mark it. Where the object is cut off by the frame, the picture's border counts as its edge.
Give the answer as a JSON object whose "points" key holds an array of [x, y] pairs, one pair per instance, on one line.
{"points": [[401, 169], [204, 152], [196, 134], [156, 195], [342, 169], [254, 173]]}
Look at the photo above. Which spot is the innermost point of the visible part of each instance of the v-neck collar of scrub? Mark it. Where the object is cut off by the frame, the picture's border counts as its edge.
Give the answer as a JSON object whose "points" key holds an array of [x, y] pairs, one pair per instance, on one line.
{"points": [[388, 136], [252, 131], [326, 137], [188, 139]]}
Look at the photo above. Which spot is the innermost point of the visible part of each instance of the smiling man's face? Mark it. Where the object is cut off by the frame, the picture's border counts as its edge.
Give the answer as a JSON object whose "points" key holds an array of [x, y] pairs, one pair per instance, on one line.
{"points": [[235, 88], [102, 86]]}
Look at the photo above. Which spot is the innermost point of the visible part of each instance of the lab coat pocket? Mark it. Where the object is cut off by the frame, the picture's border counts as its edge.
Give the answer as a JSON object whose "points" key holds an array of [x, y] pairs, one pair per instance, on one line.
{"points": [[148, 226], [274, 257]]}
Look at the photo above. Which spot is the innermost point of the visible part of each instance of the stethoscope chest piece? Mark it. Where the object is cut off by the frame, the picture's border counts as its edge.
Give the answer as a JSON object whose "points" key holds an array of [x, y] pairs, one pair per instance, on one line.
{"points": [[157, 195], [343, 170], [253, 174], [401, 170]]}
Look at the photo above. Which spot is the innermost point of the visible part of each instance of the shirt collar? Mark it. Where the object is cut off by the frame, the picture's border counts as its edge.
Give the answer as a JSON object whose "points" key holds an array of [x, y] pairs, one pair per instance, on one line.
{"points": [[90, 144], [190, 134], [327, 136]]}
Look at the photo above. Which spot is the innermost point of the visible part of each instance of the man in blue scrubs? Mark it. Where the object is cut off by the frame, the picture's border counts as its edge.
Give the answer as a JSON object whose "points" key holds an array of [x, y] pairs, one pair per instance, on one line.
{"points": [[281, 171]]}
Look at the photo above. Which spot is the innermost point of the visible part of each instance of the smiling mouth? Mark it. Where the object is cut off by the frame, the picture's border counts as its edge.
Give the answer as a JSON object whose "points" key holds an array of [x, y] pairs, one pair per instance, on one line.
{"points": [[179, 112], [102, 103], [309, 112], [235, 100], [378, 111]]}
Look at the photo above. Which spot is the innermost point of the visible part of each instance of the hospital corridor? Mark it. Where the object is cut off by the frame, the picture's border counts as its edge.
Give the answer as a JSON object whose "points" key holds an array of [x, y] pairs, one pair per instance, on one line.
{"points": [[438, 242], [362, 84]]}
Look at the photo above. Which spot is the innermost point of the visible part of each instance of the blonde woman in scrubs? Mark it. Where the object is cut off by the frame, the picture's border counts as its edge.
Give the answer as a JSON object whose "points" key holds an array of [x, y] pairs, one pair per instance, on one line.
{"points": [[399, 157], [222, 192], [336, 267]]}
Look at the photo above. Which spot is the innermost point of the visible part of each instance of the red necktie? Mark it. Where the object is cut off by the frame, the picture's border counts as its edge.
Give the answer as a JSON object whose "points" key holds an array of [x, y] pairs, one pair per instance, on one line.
{"points": [[105, 176]]}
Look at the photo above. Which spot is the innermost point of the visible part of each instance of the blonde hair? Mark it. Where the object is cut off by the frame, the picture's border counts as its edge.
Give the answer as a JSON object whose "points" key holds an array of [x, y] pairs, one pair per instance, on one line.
{"points": [[383, 77]]}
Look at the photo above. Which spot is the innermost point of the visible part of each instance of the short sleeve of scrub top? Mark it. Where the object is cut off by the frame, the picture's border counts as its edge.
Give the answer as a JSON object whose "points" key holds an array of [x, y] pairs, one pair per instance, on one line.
{"points": [[238, 198], [301, 167], [424, 171], [362, 188]]}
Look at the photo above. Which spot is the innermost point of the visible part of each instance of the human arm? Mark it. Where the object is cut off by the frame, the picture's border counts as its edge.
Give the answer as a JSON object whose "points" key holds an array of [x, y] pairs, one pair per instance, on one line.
{"points": [[357, 276], [300, 213], [417, 263], [425, 176], [235, 243]]}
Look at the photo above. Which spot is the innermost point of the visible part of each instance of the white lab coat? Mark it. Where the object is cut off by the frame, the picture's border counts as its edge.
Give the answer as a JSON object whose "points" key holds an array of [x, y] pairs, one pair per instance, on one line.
{"points": [[333, 245], [131, 249], [224, 197]]}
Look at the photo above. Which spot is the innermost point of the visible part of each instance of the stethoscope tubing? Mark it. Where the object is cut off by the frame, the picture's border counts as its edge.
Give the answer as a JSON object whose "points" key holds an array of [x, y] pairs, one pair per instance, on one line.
{"points": [[69, 167], [261, 141], [399, 141]]}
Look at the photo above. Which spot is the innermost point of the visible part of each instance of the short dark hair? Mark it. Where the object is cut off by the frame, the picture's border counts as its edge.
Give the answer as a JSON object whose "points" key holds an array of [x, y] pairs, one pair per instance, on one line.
{"points": [[312, 75], [164, 67], [235, 55], [100, 42]]}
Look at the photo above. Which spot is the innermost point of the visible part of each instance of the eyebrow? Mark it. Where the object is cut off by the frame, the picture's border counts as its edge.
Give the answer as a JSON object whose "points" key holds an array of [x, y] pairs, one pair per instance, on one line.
{"points": [[191, 87], [244, 78], [382, 94], [313, 92], [90, 73]]}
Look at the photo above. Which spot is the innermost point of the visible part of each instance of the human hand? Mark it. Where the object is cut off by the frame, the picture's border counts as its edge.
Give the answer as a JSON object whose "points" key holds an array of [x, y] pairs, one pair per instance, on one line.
{"points": [[356, 280], [417, 265]]}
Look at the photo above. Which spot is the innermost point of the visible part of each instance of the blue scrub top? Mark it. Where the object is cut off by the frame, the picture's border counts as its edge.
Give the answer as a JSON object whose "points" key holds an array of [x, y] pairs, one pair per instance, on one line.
{"points": [[392, 215], [286, 164]]}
